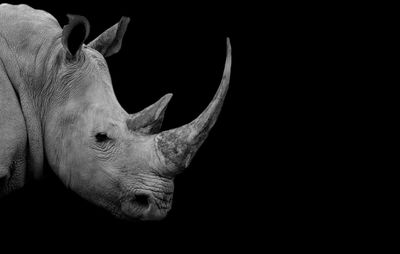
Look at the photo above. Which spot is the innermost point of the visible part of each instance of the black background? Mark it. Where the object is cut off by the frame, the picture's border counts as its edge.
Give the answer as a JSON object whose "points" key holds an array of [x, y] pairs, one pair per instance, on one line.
{"points": [[167, 49], [275, 168]]}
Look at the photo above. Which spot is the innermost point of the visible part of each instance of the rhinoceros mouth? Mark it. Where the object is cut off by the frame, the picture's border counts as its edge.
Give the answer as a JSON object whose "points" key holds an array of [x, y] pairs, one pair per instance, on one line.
{"points": [[163, 203]]}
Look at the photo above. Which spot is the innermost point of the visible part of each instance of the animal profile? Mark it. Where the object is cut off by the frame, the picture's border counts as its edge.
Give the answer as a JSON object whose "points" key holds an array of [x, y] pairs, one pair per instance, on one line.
{"points": [[57, 105]]}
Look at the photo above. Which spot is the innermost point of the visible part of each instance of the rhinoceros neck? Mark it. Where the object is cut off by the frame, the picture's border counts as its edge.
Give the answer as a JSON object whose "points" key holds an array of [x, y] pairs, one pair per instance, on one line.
{"points": [[26, 39]]}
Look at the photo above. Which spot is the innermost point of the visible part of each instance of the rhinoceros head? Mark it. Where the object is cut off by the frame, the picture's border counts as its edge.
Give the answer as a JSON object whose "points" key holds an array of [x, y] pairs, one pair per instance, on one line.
{"points": [[117, 160]]}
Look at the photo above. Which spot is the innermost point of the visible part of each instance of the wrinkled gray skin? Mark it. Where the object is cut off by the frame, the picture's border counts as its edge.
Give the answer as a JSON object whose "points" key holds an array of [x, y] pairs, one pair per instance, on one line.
{"points": [[57, 104]]}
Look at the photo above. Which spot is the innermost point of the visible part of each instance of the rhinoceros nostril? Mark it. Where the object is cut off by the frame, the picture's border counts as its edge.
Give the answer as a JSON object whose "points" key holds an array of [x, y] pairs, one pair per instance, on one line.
{"points": [[142, 200]]}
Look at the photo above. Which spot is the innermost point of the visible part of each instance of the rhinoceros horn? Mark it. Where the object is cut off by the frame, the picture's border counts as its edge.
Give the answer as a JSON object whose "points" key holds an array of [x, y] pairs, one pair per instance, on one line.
{"points": [[176, 147], [149, 120]]}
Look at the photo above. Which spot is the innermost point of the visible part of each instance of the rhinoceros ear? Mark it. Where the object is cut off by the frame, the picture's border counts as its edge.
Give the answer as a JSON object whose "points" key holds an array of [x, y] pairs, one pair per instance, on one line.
{"points": [[109, 42], [74, 34]]}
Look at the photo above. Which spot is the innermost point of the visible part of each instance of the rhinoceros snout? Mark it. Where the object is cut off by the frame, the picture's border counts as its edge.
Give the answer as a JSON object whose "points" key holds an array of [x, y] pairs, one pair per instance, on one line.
{"points": [[145, 206]]}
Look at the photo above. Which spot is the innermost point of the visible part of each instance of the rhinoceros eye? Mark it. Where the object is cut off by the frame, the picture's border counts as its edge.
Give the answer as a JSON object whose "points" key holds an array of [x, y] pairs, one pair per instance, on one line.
{"points": [[101, 137]]}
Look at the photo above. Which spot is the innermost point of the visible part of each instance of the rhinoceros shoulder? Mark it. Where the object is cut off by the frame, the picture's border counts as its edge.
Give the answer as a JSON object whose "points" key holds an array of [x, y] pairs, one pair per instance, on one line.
{"points": [[25, 28], [13, 137], [24, 11]]}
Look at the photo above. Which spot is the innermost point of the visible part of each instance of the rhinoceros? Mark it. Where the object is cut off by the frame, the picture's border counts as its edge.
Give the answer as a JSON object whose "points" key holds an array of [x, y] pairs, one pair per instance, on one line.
{"points": [[57, 106]]}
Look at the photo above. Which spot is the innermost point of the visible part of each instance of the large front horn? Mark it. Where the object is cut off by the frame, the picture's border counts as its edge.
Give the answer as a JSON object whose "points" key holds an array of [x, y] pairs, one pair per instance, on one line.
{"points": [[176, 147]]}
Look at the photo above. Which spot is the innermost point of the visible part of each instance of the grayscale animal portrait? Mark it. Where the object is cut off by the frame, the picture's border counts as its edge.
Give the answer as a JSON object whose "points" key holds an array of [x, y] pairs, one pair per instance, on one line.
{"points": [[57, 106]]}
